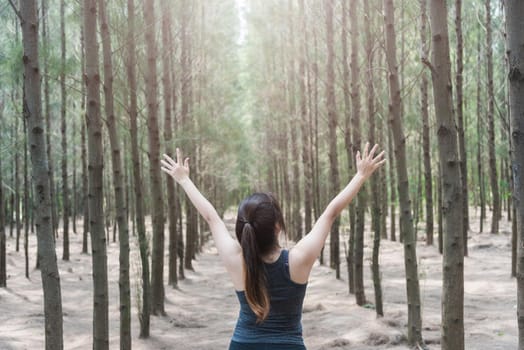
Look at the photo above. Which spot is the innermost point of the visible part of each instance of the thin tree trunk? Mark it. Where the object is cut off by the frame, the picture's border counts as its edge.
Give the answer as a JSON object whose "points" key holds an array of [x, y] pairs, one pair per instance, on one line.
{"points": [[36, 140], [452, 336], [63, 106], [515, 53], [3, 272], [347, 141], [493, 177], [460, 123], [83, 135], [376, 208], [144, 314], [118, 185], [17, 184], [480, 175], [294, 127], [157, 263], [410, 252], [332, 134], [424, 106], [26, 203], [392, 186], [168, 93], [47, 115], [95, 169], [361, 199], [306, 140]]}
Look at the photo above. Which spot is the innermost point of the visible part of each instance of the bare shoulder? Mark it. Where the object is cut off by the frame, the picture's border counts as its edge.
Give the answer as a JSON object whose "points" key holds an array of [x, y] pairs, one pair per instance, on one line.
{"points": [[299, 266]]}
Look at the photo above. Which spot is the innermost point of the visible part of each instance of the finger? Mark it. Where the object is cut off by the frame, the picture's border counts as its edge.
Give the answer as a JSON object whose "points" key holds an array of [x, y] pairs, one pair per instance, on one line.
{"points": [[366, 148], [178, 156], [379, 164], [168, 171], [169, 160], [166, 164], [373, 150], [358, 156], [186, 162], [379, 156]]}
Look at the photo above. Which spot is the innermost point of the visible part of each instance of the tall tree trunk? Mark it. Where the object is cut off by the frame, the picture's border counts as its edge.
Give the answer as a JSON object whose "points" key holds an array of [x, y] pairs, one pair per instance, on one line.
{"points": [[410, 244], [493, 177], [17, 183], [361, 200], [428, 178], [304, 122], [26, 203], [168, 93], [3, 274], [452, 336], [36, 140], [157, 263], [460, 123], [95, 169], [515, 52], [392, 186], [294, 127], [118, 185], [47, 114], [144, 313], [350, 251], [480, 174], [63, 106], [83, 135], [376, 212], [332, 134]]}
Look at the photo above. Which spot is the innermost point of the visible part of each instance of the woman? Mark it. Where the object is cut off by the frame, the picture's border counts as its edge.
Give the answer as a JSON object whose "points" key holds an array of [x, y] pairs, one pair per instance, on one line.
{"points": [[270, 282]]}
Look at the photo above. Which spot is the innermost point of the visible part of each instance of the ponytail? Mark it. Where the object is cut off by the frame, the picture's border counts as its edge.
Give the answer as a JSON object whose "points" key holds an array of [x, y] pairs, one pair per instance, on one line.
{"points": [[255, 279]]}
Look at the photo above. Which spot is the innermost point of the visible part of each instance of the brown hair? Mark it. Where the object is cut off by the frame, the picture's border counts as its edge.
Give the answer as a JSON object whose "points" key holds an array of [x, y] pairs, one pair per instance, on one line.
{"points": [[258, 216]]}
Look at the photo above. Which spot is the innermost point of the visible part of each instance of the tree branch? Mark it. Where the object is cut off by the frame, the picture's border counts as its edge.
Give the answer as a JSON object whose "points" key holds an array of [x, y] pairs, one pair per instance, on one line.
{"points": [[426, 62], [17, 12]]}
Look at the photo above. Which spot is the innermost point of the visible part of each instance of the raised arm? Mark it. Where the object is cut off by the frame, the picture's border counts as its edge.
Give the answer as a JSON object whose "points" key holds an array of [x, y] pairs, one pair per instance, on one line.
{"points": [[227, 246], [304, 253]]}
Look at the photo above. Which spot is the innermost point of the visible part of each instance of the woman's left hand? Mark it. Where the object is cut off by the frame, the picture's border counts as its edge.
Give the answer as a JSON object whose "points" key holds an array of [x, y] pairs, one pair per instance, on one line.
{"points": [[178, 170]]}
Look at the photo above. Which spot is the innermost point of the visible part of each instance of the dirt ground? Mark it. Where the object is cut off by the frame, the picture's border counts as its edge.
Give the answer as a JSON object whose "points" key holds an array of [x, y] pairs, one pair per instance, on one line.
{"points": [[202, 313]]}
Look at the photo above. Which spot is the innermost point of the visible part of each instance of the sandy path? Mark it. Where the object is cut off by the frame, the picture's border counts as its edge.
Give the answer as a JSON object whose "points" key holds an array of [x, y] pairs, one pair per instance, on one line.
{"points": [[201, 314]]}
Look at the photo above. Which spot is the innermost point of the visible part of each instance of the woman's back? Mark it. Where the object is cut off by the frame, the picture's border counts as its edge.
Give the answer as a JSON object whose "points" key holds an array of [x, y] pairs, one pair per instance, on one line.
{"points": [[283, 324]]}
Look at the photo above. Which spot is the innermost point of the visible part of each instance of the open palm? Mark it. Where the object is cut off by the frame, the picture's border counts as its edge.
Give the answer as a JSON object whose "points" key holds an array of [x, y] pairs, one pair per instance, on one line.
{"points": [[178, 170]]}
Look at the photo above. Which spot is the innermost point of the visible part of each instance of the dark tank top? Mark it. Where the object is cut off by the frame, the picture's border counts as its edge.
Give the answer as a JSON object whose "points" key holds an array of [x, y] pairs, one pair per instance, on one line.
{"points": [[283, 324]]}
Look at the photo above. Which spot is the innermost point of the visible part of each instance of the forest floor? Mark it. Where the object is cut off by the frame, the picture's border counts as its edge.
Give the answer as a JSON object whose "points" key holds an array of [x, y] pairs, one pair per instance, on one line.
{"points": [[201, 314]]}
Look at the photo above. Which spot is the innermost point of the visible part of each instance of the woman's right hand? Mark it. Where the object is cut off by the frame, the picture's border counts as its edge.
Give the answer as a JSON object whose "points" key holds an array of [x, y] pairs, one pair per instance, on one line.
{"points": [[367, 163], [178, 170]]}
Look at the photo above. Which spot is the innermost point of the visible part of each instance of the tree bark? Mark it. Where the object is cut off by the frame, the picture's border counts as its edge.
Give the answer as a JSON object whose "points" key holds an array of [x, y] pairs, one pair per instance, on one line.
{"points": [[424, 106], [350, 251], [3, 274], [118, 185], [63, 129], [144, 314], [47, 114], [452, 336], [168, 92], [376, 211], [493, 177], [460, 123], [83, 135], [332, 134], [515, 54], [95, 170], [157, 263], [361, 199], [40, 175], [410, 244], [304, 122], [294, 126]]}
